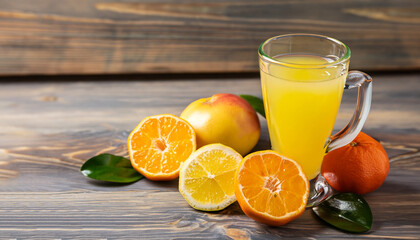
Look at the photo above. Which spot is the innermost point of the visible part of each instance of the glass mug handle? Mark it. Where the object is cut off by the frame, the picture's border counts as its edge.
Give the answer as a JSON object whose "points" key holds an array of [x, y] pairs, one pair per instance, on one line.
{"points": [[364, 98], [321, 189]]}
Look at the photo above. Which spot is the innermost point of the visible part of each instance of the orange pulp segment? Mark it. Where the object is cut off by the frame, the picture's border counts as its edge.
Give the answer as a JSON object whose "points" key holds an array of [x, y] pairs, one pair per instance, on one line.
{"points": [[271, 188], [159, 145]]}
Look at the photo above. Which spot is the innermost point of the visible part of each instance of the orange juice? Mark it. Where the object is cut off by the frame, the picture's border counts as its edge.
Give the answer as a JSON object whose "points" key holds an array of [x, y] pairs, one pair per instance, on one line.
{"points": [[301, 105]]}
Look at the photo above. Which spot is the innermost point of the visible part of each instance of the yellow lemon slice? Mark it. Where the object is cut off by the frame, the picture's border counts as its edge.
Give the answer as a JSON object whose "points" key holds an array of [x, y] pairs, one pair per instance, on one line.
{"points": [[206, 178]]}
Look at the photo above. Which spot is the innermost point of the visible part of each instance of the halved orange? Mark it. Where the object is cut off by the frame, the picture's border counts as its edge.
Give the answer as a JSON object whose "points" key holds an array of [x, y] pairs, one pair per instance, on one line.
{"points": [[159, 145], [271, 188]]}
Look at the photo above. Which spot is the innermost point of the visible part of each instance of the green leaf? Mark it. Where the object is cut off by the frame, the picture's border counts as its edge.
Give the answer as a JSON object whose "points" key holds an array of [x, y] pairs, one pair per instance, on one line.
{"points": [[346, 211], [256, 103], [110, 168]]}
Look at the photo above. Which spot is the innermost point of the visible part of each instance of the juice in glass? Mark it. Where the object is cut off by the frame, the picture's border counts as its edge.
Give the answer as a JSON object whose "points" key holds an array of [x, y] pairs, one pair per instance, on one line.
{"points": [[301, 103], [303, 77]]}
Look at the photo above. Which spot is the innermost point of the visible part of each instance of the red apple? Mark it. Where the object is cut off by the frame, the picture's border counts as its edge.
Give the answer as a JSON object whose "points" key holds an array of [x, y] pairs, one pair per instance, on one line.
{"points": [[224, 118]]}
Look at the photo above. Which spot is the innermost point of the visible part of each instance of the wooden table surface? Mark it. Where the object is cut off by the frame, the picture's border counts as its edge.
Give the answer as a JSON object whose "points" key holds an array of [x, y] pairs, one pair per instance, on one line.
{"points": [[48, 129]]}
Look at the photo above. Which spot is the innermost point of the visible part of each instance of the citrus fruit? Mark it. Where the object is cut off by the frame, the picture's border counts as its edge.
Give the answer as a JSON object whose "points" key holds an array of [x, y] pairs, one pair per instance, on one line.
{"points": [[206, 178], [159, 145], [224, 118], [271, 188], [359, 167]]}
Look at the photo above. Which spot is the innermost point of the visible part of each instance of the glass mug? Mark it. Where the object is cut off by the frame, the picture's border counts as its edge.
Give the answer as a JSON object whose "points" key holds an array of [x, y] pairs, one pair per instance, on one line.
{"points": [[303, 77]]}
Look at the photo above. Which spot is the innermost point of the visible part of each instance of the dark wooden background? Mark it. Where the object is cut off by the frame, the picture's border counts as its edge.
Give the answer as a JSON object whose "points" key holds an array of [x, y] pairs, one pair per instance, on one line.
{"points": [[179, 36]]}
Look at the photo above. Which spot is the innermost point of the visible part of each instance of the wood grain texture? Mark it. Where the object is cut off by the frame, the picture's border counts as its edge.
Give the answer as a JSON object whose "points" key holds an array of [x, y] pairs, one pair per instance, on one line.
{"points": [[167, 36], [49, 129]]}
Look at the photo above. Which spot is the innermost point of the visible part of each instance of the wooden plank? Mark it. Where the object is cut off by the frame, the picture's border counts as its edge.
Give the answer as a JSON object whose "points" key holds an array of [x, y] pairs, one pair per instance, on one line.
{"points": [[49, 129], [167, 36]]}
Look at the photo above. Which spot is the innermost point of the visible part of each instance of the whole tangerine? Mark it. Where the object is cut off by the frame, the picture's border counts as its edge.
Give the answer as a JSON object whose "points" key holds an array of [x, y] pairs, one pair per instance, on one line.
{"points": [[359, 167]]}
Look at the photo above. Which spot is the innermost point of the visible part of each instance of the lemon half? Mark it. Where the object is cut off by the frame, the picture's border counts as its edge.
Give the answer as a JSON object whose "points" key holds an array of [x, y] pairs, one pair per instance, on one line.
{"points": [[206, 178]]}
